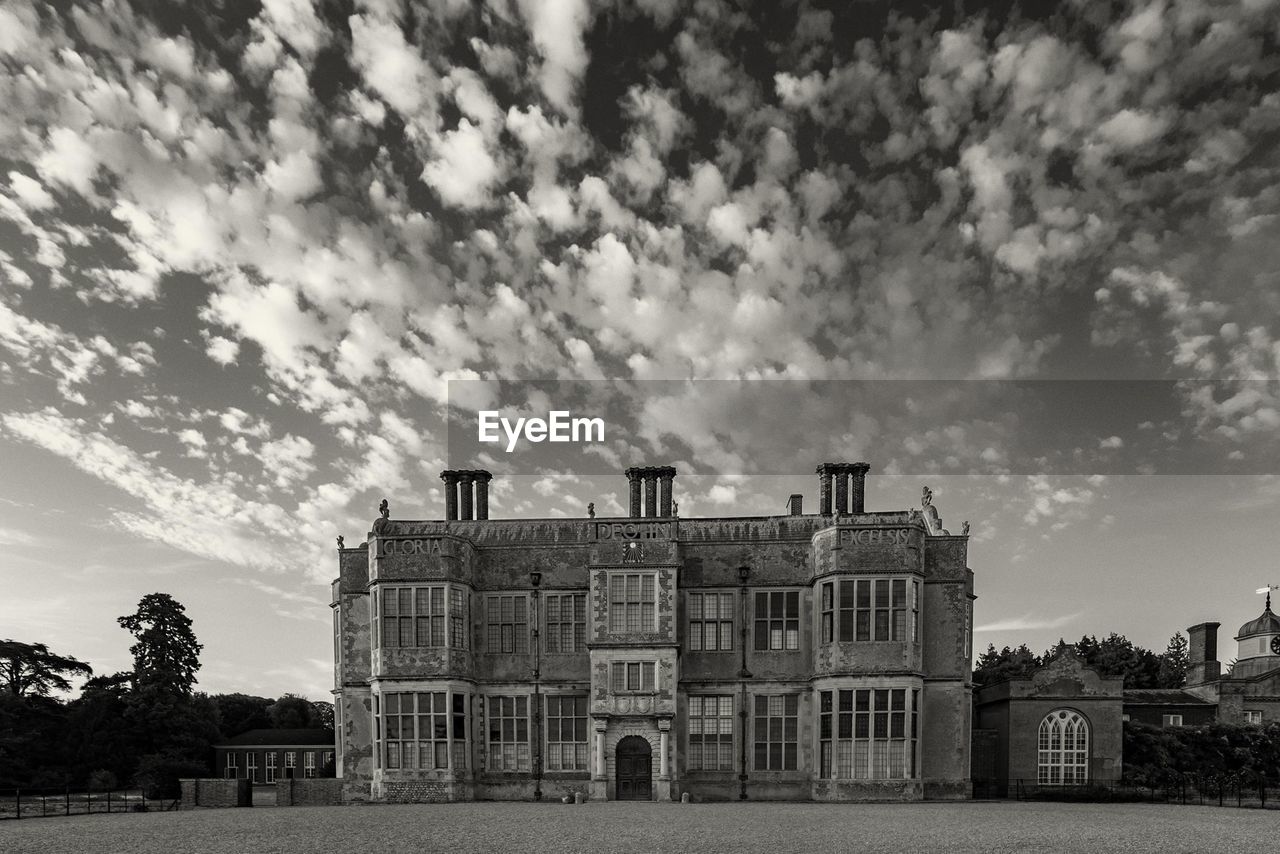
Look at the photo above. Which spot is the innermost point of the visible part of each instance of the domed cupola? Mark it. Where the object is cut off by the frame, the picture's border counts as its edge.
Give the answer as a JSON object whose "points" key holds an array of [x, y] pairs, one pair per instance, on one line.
{"points": [[1260, 637]]}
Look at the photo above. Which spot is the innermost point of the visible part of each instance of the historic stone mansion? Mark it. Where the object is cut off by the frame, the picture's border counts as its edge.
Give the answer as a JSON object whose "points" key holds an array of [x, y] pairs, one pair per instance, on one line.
{"points": [[819, 656]]}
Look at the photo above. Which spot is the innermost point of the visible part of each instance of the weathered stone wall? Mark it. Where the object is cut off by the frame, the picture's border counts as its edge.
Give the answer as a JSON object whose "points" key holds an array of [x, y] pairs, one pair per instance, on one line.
{"points": [[213, 792], [308, 793]]}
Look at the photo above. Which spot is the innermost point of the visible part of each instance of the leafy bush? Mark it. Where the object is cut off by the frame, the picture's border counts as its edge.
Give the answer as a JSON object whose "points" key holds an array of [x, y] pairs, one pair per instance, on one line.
{"points": [[158, 775]]}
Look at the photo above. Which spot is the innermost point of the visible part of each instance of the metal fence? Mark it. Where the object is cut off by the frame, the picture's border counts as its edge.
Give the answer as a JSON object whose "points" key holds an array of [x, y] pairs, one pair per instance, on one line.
{"points": [[1224, 790], [44, 803]]}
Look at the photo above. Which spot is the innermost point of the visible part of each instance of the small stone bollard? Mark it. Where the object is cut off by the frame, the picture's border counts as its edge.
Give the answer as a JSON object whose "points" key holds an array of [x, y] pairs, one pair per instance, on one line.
{"points": [[684, 798], [578, 798]]}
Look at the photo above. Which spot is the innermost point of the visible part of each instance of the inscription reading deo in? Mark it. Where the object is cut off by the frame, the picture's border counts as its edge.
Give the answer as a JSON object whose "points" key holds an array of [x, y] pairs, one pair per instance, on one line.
{"points": [[633, 530]]}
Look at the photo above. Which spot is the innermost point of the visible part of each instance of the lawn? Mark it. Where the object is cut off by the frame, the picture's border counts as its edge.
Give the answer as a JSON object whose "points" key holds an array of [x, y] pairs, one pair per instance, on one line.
{"points": [[616, 827]]}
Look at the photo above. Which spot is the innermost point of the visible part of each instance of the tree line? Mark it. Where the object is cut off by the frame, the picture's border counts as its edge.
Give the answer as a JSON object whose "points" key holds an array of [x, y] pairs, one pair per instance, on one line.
{"points": [[145, 727], [1113, 656]]}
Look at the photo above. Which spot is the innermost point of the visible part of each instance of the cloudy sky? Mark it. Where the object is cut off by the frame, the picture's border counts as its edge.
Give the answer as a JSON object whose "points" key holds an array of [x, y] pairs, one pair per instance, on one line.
{"points": [[247, 250]]}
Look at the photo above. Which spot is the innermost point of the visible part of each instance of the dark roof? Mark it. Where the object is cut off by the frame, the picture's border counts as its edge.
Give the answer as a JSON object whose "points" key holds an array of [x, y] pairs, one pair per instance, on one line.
{"points": [[1162, 697], [1267, 624], [285, 737]]}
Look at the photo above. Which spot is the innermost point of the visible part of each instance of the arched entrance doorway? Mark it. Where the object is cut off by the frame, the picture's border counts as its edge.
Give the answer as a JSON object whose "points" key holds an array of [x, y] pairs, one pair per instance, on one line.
{"points": [[635, 769]]}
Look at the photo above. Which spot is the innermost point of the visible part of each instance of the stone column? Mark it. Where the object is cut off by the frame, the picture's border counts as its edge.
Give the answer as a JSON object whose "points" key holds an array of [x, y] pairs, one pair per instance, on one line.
{"points": [[601, 768], [450, 479], [650, 493], [824, 489], [841, 474], [858, 472], [465, 479], [633, 487], [664, 750], [482, 494], [665, 474]]}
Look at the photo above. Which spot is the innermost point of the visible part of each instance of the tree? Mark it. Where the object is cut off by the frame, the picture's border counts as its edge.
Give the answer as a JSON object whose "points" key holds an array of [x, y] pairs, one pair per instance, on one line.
{"points": [[239, 713], [167, 654], [323, 714], [31, 670], [996, 666], [292, 712], [1117, 656], [1173, 663]]}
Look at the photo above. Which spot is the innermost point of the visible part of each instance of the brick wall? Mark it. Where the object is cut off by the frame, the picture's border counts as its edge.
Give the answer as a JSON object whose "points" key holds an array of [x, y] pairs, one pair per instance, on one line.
{"points": [[308, 793], [216, 793]]}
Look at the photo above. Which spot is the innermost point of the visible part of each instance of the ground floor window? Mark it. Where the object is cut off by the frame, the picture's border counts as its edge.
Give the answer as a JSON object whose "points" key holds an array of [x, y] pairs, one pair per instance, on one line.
{"points": [[271, 767], [1252, 716], [1064, 749], [419, 730], [508, 719], [251, 767], [777, 732], [232, 771], [309, 763], [711, 733], [566, 733], [868, 733], [290, 764]]}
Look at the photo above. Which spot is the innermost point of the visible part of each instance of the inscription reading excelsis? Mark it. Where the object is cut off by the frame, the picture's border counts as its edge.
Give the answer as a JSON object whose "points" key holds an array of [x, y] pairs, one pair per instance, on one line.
{"points": [[876, 537], [633, 530]]}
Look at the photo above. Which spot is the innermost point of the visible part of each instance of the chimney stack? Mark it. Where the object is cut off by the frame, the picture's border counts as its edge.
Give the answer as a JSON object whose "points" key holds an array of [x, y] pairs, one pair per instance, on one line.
{"points": [[1202, 654], [795, 505], [850, 488], [458, 504], [858, 492], [657, 482]]}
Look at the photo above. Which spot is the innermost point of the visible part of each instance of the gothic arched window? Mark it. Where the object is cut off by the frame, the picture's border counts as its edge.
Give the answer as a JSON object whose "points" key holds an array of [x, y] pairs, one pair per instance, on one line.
{"points": [[1064, 749]]}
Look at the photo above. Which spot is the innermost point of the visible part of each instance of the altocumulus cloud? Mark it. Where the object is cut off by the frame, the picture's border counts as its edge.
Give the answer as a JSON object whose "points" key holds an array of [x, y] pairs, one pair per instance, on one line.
{"points": [[336, 213]]}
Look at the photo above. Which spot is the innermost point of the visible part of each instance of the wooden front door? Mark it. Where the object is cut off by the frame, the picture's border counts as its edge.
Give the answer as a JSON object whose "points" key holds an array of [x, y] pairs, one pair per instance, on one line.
{"points": [[635, 769]]}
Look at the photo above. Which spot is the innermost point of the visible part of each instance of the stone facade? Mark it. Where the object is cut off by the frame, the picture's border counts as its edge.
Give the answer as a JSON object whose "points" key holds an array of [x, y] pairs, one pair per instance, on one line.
{"points": [[823, 656]]}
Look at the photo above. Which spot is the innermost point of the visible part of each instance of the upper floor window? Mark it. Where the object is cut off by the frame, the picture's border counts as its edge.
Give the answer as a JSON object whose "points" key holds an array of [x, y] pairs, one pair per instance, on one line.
{"points": [[778, 620], [633, 677], [566, 622], [631, 602], [710, 621], [876, 609], [1063, 758], [508, 623], [417, 616]]}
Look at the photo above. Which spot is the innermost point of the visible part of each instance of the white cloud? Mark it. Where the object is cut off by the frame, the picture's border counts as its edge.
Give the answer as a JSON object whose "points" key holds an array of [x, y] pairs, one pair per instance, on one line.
{"points": [[464, 169]]}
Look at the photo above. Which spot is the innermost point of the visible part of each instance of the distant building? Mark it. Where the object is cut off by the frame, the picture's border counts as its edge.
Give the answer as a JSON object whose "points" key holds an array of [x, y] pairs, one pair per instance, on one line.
{"points": [[1250, 692], [820, 656], [266, 755]]}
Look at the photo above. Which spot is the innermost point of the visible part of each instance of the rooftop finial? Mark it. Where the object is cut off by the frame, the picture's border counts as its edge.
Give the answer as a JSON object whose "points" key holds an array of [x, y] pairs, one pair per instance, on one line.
{"points": [[1267, 590]]}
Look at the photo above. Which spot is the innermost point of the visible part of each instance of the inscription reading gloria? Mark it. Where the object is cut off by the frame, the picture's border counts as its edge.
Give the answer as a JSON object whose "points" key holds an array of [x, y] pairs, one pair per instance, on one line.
{"points": [[387, 547], [633, 530]]}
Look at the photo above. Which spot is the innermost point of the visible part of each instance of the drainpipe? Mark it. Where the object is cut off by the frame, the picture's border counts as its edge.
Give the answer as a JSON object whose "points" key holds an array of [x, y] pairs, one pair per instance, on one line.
{"points": [[536, 578], [743, 675]]}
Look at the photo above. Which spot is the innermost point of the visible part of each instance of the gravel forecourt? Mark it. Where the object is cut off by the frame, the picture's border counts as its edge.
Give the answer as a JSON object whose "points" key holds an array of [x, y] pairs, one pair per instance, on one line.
{"points": [[651, 827]]}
